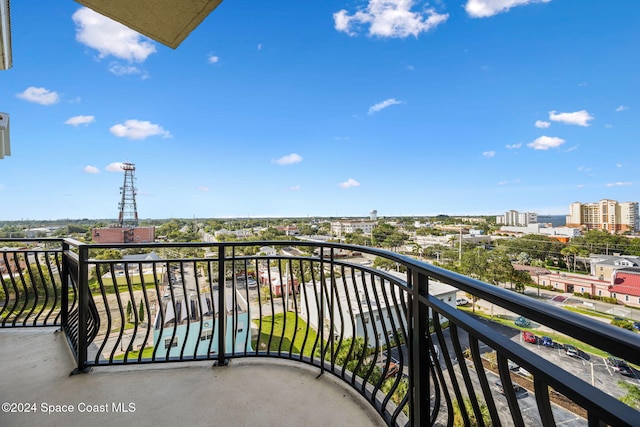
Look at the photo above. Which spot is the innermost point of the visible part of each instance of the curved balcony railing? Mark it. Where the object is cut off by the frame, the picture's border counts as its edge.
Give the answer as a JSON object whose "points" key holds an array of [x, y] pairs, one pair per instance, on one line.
{"points": [[394, 336]]}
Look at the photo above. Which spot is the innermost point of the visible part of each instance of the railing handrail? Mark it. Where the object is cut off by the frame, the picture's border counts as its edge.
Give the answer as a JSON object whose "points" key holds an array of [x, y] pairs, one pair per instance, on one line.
{"points": [[82, 323]]}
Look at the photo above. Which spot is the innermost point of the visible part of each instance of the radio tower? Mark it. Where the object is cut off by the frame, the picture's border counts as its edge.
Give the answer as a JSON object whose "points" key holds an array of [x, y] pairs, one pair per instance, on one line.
{"points": [[128, 210]]}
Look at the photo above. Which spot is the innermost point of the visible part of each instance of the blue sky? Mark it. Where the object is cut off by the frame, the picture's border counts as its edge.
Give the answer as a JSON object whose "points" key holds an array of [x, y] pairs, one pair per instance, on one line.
{"points": [[328, 108]]}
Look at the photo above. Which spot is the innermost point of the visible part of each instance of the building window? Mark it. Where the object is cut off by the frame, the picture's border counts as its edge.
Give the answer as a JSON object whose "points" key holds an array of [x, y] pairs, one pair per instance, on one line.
{"points": [[168, 343], [582, 290], [366, 319], [626, 298], [449, 299], [206, 335], [599, 293], [240, 327]]}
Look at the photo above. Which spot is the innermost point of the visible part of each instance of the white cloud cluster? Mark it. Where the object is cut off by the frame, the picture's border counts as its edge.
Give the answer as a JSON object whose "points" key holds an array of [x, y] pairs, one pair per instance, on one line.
{"points": [[546, 142], [289, 159], [213, 59], [114, 167], [389, 18], [109, 37], [91, 169], [622, 108], [137, 130], [203, 189], [487, 8], [382, 105], [80, 120], [619, 184], [542, 124], [39, 95], [489, 154], [514, 146], [294, 188], [580, 118], [349, 183]]}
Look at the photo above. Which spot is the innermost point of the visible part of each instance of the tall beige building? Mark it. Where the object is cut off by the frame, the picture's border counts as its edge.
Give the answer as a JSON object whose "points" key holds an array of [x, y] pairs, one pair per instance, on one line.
{"points": [[608, 215]]}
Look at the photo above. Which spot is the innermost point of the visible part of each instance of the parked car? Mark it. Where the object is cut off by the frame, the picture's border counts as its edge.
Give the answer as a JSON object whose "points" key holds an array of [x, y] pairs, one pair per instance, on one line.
{"points": [[619, 366], [500, 388], [522, 322], [529, 337], [513, 366], [636, 326], [547, 342], [571, 350], [462, 301]]}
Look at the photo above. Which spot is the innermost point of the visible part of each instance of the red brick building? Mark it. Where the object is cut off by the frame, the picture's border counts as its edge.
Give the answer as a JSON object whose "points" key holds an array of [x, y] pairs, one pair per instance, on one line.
{"points": [[124, 235]]}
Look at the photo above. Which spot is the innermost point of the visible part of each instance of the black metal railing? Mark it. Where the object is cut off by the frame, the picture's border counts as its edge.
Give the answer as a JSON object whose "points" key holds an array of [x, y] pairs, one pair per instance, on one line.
{"points": [[394, 336]]}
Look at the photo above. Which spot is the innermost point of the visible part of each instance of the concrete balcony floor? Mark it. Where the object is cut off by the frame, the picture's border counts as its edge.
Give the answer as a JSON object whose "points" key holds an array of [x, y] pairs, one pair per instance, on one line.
{"points": [[35, 365]]}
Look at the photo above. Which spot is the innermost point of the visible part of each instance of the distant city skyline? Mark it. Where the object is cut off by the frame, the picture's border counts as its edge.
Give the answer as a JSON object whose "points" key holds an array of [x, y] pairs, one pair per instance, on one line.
{"points": [[330, 109]]}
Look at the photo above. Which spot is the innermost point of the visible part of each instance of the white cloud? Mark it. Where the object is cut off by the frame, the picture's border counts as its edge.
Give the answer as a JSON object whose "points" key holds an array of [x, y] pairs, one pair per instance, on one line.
{"points": [[389, 18], [580, 118], [382, 105], [349, 183], [619, 184], [125, 70], [213, 59], [39, 95], [486, 8], [581, 186], [259, 46], [505, 182], [622, 108], [489, 154], [584, 168], [546, 142], [109, 37], [618, 165], [542, 124], [608, 125], [289, 159], [91, 169], [294, 188], [514, 146], [114, 167], [203, 189], [137, 129], [80, 120]]}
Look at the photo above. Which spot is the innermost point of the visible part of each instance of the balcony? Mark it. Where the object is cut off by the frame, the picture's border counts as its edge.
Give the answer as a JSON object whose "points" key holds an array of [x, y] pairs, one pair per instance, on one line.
{"points": [[221, 333]]}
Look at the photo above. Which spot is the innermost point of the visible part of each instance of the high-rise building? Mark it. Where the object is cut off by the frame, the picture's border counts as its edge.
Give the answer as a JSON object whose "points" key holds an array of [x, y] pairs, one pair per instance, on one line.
{"points": [[608, 215], [516, 218]]}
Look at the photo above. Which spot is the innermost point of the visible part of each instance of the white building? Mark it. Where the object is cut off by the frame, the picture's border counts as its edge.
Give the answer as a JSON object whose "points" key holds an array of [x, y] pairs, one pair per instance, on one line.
{"points": [[361, 309], [340, 228], [543, 229], [517, 218]]}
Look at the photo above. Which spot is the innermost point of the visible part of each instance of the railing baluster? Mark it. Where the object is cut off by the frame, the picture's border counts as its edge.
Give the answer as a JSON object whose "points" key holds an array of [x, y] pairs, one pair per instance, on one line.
{"points": [[222, 307]]}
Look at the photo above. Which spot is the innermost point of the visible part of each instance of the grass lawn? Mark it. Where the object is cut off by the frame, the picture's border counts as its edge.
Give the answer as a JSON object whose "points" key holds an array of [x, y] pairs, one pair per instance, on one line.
{"points": [[147, 353], [121, 281], [290, 334], [588, 312]]}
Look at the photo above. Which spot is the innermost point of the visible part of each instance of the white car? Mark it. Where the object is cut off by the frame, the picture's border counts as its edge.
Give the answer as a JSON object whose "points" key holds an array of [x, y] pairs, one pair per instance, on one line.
{"points": [[462, 301]]}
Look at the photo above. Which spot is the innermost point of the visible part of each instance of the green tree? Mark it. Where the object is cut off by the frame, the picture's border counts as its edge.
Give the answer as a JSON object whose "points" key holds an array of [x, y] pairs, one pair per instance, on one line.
{"points": [[458, 420], [632, 398], [141, 311], [129, 311]]}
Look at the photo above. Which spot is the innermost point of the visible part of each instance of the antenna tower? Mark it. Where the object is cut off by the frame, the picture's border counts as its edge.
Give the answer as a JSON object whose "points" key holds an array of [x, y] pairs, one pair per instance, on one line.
{"points": [[128, 211]]}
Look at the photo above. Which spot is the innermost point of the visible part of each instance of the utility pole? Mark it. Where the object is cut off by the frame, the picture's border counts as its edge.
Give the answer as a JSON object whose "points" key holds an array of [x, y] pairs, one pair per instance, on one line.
{"points": [[460, 246]]}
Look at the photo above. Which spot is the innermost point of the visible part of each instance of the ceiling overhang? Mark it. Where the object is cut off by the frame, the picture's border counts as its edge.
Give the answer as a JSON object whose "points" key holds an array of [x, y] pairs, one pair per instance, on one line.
{"points": [[166, 21], [5, 36]]}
